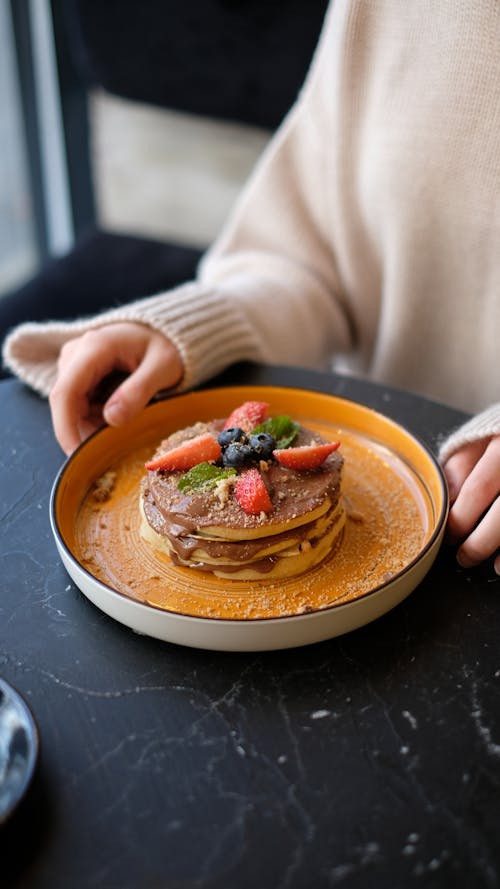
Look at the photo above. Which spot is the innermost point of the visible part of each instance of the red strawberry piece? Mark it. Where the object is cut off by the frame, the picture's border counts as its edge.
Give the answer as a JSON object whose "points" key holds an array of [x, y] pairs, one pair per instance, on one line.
{"points": [[247, 416], [203, 448], [251, 493], [305, 457]]}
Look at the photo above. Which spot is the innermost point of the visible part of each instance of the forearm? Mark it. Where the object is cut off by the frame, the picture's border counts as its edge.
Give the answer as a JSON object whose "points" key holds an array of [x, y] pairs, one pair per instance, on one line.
{"points": [[207, 338], [248, 317]]}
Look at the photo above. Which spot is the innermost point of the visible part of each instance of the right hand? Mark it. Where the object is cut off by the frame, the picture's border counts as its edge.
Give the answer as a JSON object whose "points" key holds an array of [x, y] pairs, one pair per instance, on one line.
{"points": [[151, 360], [473, 474]]}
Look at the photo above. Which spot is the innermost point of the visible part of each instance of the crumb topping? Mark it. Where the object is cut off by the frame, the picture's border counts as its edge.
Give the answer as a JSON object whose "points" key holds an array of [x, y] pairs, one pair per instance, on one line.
{"points": [[104, 486]]}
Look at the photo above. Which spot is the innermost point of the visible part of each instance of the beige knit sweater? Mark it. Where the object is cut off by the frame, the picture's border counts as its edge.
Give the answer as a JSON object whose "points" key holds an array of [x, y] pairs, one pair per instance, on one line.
{"points": [[369, 233]]}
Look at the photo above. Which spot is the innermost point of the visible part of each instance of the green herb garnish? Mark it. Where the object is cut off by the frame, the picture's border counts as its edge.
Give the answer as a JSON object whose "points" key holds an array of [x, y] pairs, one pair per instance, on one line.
{"points": [[203, 475], [283, 429]]}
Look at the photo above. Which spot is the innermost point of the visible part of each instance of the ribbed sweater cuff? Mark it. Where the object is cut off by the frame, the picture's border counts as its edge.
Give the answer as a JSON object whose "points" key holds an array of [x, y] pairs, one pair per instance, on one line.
{"points": [[483, 425], [209, 331]]}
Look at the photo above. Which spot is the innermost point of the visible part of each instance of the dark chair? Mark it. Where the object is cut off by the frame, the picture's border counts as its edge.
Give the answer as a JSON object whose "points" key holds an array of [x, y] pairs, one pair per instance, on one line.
{"points": [[234, 60]]}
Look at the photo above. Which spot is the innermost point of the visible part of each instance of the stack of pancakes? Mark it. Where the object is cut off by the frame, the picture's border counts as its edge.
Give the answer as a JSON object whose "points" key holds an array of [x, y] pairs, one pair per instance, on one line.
{"points": [[207, 529]]}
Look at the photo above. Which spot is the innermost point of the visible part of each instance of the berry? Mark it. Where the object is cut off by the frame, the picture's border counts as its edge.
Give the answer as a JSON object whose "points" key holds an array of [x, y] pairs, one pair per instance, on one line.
{"points": [[248, 415], [237, 455], [306, 457], [251, 493], [234, 433], [203, 448], [263, 445]]}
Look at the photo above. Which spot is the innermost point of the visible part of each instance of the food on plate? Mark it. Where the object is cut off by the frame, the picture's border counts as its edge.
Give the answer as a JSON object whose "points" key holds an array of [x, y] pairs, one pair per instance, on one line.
{"points": [[248, 497], [104, 486]]}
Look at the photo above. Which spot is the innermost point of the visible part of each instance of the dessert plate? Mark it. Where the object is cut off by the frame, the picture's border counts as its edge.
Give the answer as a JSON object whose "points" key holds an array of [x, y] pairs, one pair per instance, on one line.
{"points": [[18, 749], [396, 502]]}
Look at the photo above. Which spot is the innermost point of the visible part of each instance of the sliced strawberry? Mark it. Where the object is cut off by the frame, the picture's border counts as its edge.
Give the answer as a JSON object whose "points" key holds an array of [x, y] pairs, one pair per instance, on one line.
{"points": [[248, 415], [251, 493], [305, 457], [202, 449]]}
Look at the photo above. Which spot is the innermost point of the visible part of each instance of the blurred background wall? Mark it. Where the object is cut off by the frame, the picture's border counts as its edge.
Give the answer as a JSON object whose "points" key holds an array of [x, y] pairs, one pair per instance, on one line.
{"points": [[157, 172], [18, 250], [128, 129]]}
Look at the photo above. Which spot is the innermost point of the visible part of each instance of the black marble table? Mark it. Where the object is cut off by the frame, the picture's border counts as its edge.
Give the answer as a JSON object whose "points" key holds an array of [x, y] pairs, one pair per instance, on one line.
{"points": [[371, 760]]}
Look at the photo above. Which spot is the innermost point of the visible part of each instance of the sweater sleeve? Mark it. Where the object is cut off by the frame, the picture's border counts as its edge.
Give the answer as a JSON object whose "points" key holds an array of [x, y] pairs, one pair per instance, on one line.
{"points": [[483, 425], [208, 333], [267, 291]]}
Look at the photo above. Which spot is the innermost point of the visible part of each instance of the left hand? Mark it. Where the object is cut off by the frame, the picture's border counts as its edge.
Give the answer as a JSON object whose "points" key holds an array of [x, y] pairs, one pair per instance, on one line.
{"points": [[150, 361], [473, 476]]}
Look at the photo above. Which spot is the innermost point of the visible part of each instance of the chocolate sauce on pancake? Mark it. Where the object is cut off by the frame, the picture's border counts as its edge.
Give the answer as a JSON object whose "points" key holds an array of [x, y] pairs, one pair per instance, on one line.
{"points": [[293, 493], [207, 529]]}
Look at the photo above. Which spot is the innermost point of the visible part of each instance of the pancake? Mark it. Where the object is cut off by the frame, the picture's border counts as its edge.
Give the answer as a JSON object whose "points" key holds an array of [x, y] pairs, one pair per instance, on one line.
{"points": [[207, 529]]}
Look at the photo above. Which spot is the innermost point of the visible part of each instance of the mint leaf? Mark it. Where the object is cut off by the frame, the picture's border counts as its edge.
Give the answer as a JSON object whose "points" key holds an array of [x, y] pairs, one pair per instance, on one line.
{"points": [[283, 429], [203, 475]]}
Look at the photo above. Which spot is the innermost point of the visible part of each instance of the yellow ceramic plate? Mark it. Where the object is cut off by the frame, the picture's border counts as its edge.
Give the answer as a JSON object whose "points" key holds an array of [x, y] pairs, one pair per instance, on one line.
{"points": [[396, 502]]}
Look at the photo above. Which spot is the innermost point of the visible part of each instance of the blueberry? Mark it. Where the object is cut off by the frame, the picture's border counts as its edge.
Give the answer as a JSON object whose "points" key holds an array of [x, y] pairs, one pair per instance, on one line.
{"points": [[263, 445], [237, 454], [228, 436]]}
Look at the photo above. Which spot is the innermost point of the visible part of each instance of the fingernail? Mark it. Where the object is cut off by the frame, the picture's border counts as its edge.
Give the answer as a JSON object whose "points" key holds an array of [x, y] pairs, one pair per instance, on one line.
{"points": [[86, 428], [114, 414]]}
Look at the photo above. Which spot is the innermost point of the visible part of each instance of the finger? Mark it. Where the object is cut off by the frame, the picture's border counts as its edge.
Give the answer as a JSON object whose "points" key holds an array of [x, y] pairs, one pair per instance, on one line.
{"points": [[477, 493], [69, 408], [484, 540], [80, 369], [461, 464], [160, 368]]}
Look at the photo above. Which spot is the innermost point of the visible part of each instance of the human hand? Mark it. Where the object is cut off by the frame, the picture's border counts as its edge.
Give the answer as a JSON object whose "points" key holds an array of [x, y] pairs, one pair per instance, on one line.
{"points": [[473, 476], [151, 361]]}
